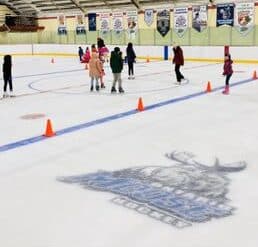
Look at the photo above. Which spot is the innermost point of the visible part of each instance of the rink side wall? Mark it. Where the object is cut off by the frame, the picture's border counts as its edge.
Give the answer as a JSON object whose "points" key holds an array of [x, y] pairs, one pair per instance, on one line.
{"points": [[191, 53]]}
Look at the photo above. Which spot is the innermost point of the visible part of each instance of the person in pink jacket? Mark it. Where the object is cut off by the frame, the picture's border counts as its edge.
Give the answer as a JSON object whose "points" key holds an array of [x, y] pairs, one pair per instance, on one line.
{"points": [[95, 70], [227, 71]]}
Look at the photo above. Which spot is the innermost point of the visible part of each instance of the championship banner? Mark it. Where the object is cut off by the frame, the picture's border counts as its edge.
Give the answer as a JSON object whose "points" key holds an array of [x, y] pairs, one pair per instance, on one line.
{"points": [[180, 20], [225, 14], [244, 17], [104, 22], [200, 17], [61, 25], [149, 16], [80, 24], [132, 19], [118, 22], [92, 21], [163, 21]]}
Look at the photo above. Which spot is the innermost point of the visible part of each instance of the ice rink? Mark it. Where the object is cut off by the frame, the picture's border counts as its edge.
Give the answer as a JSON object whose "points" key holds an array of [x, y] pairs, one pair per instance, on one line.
{"points": [[181, 173]]}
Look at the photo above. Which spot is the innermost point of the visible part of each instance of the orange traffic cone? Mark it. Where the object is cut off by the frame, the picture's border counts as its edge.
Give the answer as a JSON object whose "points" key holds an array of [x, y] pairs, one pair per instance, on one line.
{"points": [[49, 131], [208, 89], [140, 106], [52, 60], [148, 59], [254, 75]]}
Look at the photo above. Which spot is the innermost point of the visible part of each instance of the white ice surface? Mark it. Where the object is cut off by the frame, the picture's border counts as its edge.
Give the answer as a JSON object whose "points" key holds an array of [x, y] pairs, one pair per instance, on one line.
{"points": [[36, 210]]}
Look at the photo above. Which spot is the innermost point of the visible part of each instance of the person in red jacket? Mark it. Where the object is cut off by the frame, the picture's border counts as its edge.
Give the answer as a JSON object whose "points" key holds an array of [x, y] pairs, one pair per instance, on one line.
{"points": [[178, 60], [227, 71]]}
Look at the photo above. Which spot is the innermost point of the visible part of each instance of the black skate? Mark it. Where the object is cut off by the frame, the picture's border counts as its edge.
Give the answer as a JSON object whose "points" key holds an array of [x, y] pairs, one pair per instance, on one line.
{"points": [[121, 90], [102, 85], [113, 90], [97, 87], [91, 88]]}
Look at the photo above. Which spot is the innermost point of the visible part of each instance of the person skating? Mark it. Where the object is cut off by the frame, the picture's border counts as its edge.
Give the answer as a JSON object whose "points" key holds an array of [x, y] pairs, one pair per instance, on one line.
{"points": [[95, 70], [227, 71], [116, 64], [130, 55], [7, 75], [178, 60]]}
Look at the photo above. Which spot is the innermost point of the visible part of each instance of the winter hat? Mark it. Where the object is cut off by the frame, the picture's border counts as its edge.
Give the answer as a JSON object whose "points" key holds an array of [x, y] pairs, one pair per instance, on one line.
{"points": [[117, 49]]}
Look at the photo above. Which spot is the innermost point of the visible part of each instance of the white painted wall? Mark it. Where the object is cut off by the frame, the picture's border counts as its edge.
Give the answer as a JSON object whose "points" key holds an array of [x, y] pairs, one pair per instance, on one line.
{"points": [[198, 52]]}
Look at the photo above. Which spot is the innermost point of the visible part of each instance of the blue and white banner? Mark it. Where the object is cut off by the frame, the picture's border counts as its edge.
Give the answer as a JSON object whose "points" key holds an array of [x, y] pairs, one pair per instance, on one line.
{"points": [[180, 20], [149, 16], [244, 17], [104, 22], [92, 20], [118, 25], [225, 14]]}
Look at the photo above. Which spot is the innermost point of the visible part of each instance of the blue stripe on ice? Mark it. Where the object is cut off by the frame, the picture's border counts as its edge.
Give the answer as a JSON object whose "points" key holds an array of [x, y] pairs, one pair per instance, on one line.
{"points": [[35, 139]]}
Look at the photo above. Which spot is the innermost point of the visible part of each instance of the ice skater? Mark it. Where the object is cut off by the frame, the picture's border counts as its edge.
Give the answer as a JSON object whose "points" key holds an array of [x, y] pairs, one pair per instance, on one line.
{"points": [[95, 70], [116, 64], [178, 60], [227, 71], [130, 55], [7, 75]]}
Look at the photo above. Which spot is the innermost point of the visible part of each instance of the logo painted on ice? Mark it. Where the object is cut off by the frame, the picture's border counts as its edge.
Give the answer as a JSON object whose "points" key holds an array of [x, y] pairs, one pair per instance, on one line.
{"points": [[181, 194]]}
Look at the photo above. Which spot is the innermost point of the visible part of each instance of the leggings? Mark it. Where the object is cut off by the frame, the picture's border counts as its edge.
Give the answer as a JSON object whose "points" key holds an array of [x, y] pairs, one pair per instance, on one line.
{"points": [[130, 68], [227, 79], [8, 81]]}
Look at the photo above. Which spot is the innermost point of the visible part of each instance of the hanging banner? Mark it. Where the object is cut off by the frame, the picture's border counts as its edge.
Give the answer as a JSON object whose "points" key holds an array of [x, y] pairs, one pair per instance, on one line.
{"points": [[149, 16], [104, 23], [225, 14], [163, 21], [92, 21], [180, 20], [132, 19], [244, 17], [118, 22], [80, 24], [200, 17], [61, 24]]}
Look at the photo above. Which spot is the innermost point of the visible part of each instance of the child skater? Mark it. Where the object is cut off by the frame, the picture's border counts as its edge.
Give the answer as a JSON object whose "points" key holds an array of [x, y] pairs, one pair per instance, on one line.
{"points": [[130, 54], [80, 53], [228, 71], [95, 70], [86, 57], [116, 64], [7, 75]]}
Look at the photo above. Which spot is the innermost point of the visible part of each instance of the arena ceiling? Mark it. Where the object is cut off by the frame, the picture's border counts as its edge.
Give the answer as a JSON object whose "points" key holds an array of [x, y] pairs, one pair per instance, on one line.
{"points": [[37, 7]]}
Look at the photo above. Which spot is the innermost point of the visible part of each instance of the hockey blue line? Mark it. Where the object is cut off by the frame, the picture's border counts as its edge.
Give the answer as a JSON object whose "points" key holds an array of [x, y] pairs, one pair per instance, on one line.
{"points": [[35, 139]]}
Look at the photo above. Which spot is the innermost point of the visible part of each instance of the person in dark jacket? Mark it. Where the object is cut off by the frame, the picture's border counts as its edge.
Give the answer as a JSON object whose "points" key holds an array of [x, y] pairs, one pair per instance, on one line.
{"points": [[130, 55], [116, 64], [100, 42], [7, 75], [227, 71], [178, 60], [80, 53]]}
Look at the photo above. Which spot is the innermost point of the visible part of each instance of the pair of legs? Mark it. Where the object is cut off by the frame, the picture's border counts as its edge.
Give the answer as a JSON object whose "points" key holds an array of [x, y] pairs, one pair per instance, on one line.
{"points": [[226, 90], [117, 78], [130, 70], [179, 75], [92, 83], [8, 82]]}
